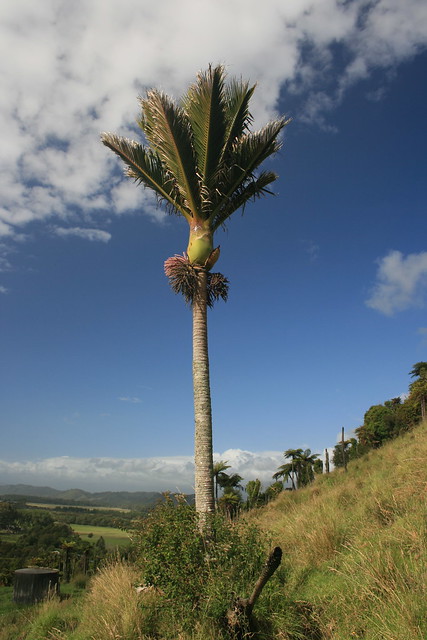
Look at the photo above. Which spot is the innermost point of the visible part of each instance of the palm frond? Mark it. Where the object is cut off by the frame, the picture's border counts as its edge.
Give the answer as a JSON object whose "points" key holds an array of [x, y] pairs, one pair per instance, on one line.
{"points": [[248, 153], [204, 105], [146, 168], [169, 134], [255, 189], [238, 95]]}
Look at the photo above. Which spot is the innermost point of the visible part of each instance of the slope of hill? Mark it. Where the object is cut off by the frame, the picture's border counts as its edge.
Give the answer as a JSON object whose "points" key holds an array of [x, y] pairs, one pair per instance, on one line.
{"points": [[355, 544]]}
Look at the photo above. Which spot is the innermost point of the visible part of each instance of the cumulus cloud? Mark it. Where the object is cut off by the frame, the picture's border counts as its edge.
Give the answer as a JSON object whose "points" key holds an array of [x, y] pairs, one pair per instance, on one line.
{"points": [[94, 235], [401, 282], [77, 68], [133, 474]]}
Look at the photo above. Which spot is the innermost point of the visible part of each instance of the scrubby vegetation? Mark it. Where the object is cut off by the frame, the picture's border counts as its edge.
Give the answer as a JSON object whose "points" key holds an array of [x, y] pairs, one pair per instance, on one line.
{"points": [[354, 557], [35, 538]]}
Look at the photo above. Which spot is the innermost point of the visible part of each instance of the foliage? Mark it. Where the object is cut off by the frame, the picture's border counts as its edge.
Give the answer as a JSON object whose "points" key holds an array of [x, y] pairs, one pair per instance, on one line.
{"points": [[41, 541], [353, 449], [169, 546], [300, 469]]}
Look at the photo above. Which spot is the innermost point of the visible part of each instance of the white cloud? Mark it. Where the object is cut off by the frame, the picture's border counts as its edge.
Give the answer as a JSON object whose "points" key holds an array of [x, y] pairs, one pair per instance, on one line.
{"points": [[401, 282], [77, 68], [3, 289], [133, 474], [94, 235], [131, 399], [251, 465]]}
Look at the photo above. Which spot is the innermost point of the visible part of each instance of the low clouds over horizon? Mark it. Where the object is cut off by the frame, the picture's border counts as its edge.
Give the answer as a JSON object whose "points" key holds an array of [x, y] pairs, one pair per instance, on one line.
{"points": [[174, 473]]}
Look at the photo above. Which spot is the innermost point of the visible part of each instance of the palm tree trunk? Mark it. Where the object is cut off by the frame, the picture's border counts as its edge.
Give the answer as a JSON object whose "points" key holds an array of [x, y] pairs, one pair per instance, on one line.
{"points": [[203, 451]]}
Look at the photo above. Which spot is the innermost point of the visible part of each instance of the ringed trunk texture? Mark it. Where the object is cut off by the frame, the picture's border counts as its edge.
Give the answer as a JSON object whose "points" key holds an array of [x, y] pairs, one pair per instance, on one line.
{"points": [[203, 450]]}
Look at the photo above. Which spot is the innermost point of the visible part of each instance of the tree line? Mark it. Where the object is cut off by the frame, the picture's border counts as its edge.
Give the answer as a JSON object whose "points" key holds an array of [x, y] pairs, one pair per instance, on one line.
{"points": [[384, 422], [35, 538]]}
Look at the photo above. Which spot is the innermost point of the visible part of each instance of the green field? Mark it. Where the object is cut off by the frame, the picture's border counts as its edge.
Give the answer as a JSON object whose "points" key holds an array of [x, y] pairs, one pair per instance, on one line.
{"points": [[113, 537], [48, 505]]}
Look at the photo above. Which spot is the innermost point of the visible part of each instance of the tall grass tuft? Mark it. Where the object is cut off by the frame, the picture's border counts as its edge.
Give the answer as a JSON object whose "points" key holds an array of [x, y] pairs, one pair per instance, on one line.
{"points": [[113, 609]]}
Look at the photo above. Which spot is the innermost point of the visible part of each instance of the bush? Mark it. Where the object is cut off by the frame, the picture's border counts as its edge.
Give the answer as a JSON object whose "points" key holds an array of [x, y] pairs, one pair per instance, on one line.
{"points": [[198, 576]]}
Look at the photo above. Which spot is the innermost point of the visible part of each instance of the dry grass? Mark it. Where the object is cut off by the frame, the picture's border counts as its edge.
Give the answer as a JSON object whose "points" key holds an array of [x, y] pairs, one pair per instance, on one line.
{"points": [[355, 544], [113, 609]]}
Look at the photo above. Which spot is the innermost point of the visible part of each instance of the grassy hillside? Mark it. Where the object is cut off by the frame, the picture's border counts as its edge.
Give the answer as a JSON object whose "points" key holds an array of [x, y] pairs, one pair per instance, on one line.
{"points": [[355, 544], [354, 566]]}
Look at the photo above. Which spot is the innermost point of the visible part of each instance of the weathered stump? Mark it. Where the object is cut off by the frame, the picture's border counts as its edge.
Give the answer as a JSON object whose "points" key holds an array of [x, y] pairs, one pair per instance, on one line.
{"points": [[239, 617], [34, 584]]}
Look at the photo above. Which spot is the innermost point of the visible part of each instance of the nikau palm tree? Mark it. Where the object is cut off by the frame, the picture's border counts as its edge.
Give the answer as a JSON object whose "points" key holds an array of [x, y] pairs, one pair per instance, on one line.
{"points": [[201, 160], [419, 387], [300, 468], [218, 472]]}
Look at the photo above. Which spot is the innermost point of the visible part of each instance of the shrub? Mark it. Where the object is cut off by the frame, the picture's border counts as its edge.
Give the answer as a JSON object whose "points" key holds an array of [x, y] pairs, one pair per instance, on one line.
{"points": [[197, 576]]}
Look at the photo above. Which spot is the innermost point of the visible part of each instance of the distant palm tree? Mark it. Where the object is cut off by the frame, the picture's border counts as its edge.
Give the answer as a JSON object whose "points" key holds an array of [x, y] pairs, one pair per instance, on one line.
{"points": [[306, 462], [232, 481], [230, 502], [418, 388], [201, 159], [218, 469], [300, 468], [286, 471]]}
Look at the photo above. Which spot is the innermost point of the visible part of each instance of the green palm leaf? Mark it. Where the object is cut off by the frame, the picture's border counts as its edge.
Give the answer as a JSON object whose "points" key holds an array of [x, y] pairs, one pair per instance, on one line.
{"points": [[146, 168], [248, 154], [169, 134], [255, 189], [204, 105], [238, 96]]}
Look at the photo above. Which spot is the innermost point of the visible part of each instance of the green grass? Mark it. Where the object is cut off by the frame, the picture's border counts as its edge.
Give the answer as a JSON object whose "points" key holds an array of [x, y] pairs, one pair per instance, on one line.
{"points": [[113, 537], [44, 505]]}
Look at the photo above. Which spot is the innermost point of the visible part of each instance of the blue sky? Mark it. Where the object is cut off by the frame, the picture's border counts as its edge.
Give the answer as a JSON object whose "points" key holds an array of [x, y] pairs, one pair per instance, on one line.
{"points": [[326, 313]]}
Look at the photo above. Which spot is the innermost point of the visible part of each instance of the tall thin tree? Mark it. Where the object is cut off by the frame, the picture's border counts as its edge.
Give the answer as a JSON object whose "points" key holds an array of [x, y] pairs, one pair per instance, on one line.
{"points": [[202, 161]]}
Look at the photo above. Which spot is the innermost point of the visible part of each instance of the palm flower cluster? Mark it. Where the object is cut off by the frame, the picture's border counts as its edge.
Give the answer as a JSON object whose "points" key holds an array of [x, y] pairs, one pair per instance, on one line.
{"points": [[183, 279]]}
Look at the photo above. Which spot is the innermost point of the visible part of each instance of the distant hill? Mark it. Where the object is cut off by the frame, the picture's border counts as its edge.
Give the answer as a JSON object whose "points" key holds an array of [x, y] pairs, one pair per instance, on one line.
{"points": [[125, 499]]}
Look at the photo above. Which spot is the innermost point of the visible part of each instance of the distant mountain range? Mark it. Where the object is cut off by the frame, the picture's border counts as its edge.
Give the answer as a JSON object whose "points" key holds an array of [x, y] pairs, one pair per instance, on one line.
{"points": [[78, 497]]}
